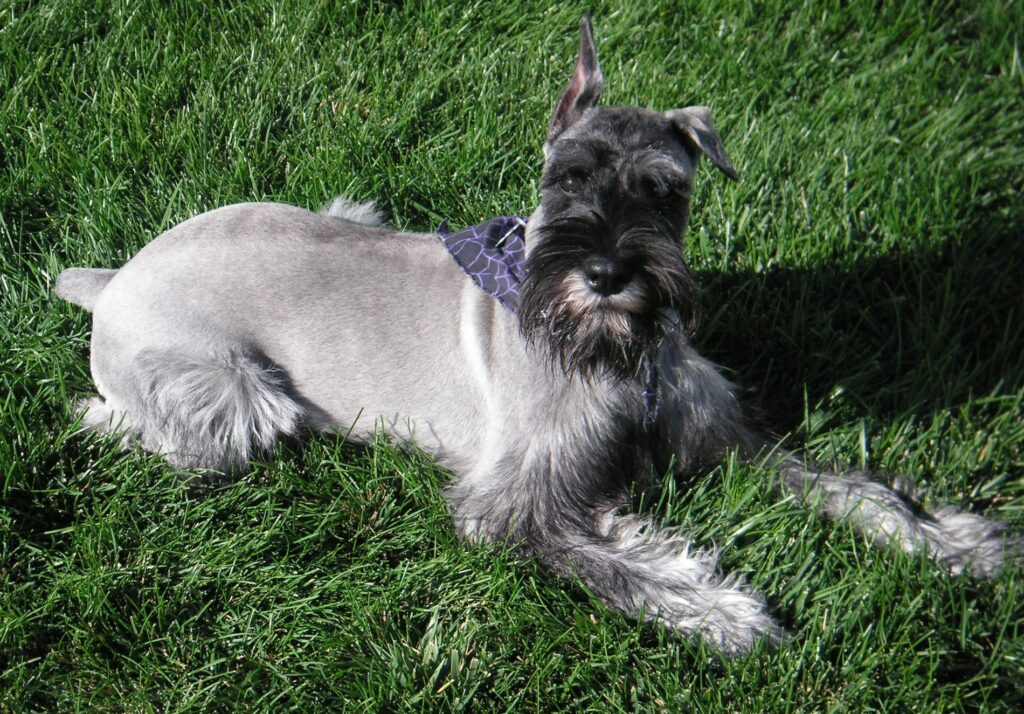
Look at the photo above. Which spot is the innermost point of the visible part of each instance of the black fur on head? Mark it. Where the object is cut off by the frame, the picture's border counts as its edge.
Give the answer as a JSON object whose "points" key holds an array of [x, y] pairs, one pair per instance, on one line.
{"points": [[605, 259]]}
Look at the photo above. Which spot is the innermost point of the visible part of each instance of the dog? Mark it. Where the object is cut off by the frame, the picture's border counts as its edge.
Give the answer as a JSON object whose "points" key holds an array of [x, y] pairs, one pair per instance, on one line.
{"points": [[545, 361]]}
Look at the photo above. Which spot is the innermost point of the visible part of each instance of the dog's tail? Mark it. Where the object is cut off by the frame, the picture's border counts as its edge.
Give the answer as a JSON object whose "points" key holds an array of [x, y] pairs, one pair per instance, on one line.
{"points": [[346, 209], [83, 285]]}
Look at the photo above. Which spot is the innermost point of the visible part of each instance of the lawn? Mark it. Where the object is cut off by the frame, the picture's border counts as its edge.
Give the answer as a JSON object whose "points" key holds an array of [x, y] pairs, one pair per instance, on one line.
{"points": [[862, 282]]}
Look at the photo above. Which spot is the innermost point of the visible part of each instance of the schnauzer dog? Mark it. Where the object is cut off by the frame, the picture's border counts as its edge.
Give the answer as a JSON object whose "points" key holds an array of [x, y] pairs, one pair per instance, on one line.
{"points": [[544, 361]]}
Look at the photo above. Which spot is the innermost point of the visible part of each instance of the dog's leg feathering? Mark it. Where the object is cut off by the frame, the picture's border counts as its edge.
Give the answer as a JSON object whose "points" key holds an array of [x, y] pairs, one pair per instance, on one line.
{"points": [[213, 413], [959, 541], [639, 569], [198, 412], [625, 560]]}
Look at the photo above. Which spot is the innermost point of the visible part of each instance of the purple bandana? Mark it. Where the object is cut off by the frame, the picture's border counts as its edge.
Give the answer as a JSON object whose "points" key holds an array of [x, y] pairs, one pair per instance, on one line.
{"points": [[491, 253]]}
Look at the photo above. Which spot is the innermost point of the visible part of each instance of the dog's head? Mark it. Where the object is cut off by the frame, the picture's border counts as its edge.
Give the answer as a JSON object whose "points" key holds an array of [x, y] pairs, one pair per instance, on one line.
{"points": [[605, 257]]}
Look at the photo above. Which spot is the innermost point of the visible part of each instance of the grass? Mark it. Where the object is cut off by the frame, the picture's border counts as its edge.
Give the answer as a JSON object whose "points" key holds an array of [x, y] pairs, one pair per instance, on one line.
{"points": [[862, 282]]}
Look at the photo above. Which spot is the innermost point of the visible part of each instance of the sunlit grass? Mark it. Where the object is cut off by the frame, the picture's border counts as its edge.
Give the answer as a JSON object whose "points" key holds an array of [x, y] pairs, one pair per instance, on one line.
{"points": [[862, 281]]}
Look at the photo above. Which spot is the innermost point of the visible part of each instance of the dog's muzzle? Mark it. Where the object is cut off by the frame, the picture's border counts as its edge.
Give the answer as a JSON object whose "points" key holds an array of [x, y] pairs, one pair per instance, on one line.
{"points": [[623, 294]]}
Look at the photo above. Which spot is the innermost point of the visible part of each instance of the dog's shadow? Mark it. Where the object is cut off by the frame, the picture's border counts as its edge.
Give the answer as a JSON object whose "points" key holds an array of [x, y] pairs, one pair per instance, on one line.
{"points": [[904, 334]]}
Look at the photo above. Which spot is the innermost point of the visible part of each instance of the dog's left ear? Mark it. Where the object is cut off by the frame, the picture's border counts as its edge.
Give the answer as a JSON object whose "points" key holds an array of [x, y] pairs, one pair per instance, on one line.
{"points": [[584, 88], [694, 123]]}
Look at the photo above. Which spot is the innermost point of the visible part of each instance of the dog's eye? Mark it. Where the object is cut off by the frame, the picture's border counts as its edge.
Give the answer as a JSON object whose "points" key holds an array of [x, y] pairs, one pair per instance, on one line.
{"points": [[572, 185]]}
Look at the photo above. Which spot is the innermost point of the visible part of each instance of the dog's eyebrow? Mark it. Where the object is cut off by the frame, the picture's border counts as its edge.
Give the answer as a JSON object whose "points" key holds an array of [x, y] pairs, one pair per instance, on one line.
{"points": [[654, 163], [593, 152]]}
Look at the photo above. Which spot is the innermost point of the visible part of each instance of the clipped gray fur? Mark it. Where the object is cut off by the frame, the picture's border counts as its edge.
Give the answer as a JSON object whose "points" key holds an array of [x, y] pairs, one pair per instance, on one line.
{"points": [[247, 322]]}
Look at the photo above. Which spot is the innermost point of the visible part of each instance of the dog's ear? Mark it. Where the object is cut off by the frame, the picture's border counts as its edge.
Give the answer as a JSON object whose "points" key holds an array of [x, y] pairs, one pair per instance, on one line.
{"points": [[694, 123], [584, 88]]}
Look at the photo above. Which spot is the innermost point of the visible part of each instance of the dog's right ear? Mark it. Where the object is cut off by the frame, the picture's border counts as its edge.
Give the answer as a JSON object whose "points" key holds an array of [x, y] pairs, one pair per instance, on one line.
{"points": [[584, 88]]}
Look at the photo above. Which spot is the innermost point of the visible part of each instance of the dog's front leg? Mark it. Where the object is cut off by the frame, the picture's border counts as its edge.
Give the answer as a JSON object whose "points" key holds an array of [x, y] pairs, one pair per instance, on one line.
{"points": [[626, 560], [959, 541], [641, 569]]}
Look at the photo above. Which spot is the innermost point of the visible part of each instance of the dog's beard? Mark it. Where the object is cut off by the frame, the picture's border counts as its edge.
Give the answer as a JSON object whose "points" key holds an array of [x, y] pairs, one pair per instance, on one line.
{"points": [[594, 335]]}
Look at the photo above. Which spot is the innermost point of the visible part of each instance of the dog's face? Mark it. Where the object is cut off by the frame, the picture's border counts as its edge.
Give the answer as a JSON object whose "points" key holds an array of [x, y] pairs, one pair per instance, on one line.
{"points": [[606, 257]]}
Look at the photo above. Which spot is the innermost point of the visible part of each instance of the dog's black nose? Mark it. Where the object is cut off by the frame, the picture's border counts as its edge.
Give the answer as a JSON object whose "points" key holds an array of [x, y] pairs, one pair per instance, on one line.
{"points": [[605, 275]]}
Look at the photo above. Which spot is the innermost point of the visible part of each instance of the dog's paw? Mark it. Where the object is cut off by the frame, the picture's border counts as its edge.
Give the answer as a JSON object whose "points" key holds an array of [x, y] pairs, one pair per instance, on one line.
{"points": [[472, 530], [729, 620]]}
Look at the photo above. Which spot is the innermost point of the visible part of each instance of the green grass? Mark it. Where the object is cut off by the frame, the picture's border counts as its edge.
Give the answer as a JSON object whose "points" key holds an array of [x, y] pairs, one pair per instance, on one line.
{"points": [[863, 281]]}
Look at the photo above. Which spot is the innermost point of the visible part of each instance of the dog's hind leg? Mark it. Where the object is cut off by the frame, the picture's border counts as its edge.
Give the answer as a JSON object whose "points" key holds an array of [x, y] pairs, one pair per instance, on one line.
{"points": [[961, 542], [101, 416], [198, 412]]}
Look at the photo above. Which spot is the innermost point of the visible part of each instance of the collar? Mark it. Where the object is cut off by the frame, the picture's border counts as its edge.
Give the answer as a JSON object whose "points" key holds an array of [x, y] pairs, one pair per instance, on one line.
{"points": [[649, 391]]}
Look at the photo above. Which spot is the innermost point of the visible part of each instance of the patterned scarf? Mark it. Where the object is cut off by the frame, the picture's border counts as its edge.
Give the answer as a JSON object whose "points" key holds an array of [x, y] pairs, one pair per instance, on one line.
{"points": [[491, 253]]}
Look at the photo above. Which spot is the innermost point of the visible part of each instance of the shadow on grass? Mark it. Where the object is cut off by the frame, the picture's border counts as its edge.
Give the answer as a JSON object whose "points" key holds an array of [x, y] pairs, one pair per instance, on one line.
{"points": [[903, 334]]}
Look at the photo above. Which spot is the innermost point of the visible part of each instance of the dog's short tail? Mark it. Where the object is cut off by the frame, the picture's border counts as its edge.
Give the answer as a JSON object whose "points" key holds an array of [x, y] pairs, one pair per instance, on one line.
{"points": [[346, 209], [83, 285]]}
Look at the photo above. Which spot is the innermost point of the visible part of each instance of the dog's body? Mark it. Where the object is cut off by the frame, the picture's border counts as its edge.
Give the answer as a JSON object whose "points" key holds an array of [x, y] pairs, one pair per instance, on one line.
{"points": [[293, 273], [250, 321]]}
